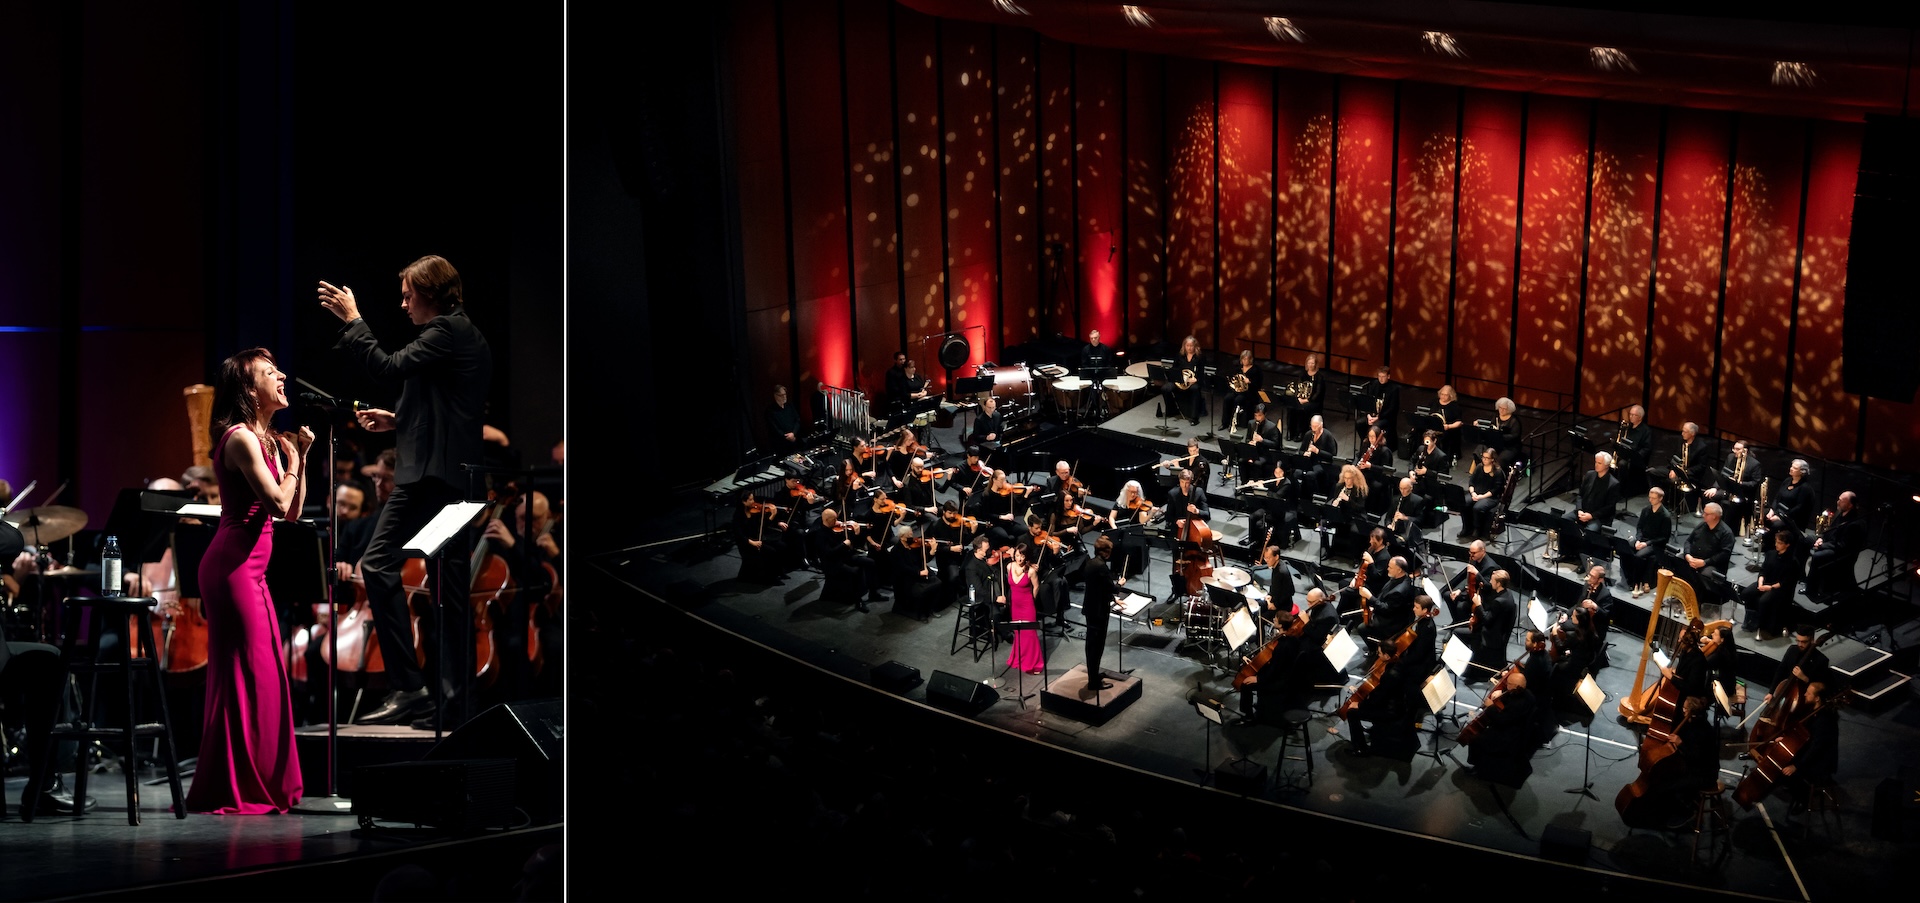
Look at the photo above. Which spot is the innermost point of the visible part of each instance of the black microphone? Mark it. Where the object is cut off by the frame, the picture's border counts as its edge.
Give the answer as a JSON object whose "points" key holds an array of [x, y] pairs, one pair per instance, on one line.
{"points": [[328, 401]]}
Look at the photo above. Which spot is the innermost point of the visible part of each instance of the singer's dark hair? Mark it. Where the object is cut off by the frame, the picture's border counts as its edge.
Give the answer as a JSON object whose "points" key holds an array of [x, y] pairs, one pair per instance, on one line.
{"points": [[233, 393], [435, 280]]}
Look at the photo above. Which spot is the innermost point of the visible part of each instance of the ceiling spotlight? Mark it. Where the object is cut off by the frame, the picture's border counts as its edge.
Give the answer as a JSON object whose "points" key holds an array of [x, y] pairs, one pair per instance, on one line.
{"points": [[1611, 59], [1137, 16], [1283, 29], [1798, 75], [1441, 42], [1010, 8]]}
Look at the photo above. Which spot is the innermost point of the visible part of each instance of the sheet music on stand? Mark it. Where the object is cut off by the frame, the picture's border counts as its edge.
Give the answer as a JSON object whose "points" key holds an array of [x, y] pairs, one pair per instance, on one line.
{"points": [[1537, 613], [1433, 589], [1457, 655], [1589, 693], [450, 520], [1130, 604], [1340, 649], [1660, 658], [1438, 691]]}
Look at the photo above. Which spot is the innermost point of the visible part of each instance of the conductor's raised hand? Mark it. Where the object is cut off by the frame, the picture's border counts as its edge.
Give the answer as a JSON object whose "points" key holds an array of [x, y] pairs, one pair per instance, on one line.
{"points": [[338, 300], [375, 420]]}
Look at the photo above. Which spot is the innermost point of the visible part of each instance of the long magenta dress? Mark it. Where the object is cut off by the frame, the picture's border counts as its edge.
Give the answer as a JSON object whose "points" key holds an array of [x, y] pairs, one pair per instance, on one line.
{"points": [[248, 764], [1026, 654]]}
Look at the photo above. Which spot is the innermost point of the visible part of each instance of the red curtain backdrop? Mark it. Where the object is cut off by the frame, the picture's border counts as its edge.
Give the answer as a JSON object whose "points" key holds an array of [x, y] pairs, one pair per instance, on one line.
{"points": [[1552, 232], [1626, 168], [1099, 180], [1303, 135], [1423, 233], [1483, 277], [900, 176], [1769, 160], [1686, 295], [1363, 201], [1143, 252], [1246, 210], [1015, 103]]}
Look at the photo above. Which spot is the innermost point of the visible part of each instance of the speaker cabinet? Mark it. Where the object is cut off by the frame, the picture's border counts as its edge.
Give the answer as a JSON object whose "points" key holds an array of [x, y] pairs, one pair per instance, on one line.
{"points": [[531, 734]]}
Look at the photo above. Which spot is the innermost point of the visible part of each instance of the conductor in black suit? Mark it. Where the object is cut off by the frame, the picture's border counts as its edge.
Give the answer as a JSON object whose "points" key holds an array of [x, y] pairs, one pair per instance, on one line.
{"points": [[1096, 608], [444, 375]]}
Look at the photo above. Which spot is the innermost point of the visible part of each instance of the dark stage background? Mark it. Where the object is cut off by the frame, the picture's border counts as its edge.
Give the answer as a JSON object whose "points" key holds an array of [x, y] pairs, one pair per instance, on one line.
{"points": [[897, 175], [174, 177]]}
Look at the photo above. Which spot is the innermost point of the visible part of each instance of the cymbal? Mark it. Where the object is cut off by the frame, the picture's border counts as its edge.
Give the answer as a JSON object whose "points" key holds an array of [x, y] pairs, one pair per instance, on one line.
{"points": [[48, 523], [71, 571]]}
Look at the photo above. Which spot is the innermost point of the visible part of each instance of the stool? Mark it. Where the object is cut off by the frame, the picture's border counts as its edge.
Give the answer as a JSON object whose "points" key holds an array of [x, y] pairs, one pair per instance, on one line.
{"points": [[971, 634], [1293, 732], [1708, 820], [111, 619]]}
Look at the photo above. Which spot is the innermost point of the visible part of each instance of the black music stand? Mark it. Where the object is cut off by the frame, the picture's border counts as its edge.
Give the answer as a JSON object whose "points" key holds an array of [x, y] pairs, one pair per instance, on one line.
{"points": [[428, 544], [1020, 693], [1160, 374]]}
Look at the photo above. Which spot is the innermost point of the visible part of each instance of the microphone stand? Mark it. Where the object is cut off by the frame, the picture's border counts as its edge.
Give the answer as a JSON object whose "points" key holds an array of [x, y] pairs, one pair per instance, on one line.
{"points": [[328, 803]]}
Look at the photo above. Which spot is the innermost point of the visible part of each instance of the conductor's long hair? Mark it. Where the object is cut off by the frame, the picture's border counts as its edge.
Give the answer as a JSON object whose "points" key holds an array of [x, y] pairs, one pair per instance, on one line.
{"points": [[233, 393]]}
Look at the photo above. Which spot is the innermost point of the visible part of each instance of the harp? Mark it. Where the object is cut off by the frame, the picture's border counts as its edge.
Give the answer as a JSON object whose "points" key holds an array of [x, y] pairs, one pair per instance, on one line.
{"points": [[1674, 606], [200, 422]]}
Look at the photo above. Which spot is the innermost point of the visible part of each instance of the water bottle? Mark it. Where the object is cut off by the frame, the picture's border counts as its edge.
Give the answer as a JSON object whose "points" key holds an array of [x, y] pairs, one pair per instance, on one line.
{"points": [[110, 568]]}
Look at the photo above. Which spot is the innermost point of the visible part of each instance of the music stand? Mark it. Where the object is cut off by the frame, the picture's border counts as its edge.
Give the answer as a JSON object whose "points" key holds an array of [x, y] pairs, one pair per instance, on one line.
{"points": [[428, 544], [1020, 693], [1591, 694], [1418, 423], [1160, 374], [1209, 711], [1438, 692]]}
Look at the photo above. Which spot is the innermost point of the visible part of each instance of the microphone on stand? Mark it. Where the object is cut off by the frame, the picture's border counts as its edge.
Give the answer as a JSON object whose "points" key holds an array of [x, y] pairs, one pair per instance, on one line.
{"points": [[327, 401]]}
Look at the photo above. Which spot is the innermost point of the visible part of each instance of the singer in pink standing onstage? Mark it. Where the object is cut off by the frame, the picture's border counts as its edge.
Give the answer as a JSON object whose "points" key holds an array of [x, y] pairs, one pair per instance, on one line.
{"points": [[248, 764], [1026, 654]]}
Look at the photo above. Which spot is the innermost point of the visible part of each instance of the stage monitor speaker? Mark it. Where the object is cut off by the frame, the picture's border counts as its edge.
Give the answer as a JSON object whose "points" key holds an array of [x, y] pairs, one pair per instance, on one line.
{"points": [[530, 733], [1564, 844], [1881, 310], [958, 694], [894, 676]]}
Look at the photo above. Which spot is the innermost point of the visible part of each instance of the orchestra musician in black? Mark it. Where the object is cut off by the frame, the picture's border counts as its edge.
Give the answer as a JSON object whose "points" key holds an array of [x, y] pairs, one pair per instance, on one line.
{"points": [[1183, 393], [1708, 552], [1650, 536], [1322, 452], [1304, 407], [783, 423], [1830, 564], [1736, 485], [1244, 400], [1792, 505], [1384, 411], [1599, 502], [1769, 598], [1394, 706], [1493, 617]]}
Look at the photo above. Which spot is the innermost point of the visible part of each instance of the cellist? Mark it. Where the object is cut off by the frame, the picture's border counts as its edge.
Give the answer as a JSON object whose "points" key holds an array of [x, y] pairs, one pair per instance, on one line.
{"points": [[1393, 707], [1820, 757], [1507, 736]]}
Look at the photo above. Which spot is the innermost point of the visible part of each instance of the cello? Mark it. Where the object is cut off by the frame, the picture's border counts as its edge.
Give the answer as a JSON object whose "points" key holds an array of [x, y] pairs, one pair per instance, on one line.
{"points": [[1388, 655], [1474, 727]]}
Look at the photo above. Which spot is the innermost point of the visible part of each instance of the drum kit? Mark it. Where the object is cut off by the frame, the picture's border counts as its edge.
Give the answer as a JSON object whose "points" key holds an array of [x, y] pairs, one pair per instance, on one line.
{"points": [[1204, 620], [41, 527]]}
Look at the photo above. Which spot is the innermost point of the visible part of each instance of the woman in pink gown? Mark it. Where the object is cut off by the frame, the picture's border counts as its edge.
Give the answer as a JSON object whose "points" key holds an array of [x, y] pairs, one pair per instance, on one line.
{"points": [[1026, 654], [248, 764]]}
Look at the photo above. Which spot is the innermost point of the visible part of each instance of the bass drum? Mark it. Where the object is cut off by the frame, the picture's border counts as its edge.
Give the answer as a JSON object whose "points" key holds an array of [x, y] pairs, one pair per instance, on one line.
{"points": [[1203, 621]]}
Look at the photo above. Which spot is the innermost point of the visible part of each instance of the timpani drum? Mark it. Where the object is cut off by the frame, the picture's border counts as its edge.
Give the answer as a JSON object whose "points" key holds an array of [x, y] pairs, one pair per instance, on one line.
{"points": [[1120, 391], [1137, 369], [1066, 391]]}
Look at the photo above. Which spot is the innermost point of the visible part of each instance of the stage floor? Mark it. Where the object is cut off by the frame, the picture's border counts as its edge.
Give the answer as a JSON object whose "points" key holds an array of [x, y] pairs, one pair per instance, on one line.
{"points": [[1776, 854]]}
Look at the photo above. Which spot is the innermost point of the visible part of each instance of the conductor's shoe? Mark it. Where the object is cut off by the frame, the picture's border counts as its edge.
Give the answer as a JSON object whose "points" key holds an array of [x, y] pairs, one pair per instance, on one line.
{"points": [[402, 707], [57, 800]]}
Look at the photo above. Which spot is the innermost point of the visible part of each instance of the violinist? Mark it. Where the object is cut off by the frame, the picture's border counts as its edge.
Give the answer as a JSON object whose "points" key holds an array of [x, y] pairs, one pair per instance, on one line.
{"points": [[1185, 502], [762, 557], [1769, 599], [900, 456], [921, 487], [1394, 706], [972, 477], [1508, 732], [1492, 620], [848, 485], [914, 573], [1046, 556], [1129, 509], [832, 545], [797, 497], [999, 505], [953, 534], [986, 590], [1065, 484]]}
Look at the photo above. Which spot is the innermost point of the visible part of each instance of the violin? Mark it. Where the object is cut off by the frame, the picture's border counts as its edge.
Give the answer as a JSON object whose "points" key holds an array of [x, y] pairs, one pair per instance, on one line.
{"points": [[1012, 488], [1047, 539], [929, 474], [802, 492], [961, 520], [758, 508], [846, 525]]}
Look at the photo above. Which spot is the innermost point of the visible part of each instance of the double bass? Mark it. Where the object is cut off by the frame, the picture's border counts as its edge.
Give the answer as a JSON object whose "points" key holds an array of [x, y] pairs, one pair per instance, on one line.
{"points": [[1660, 763], [1196, 564], [1772, 758]]}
